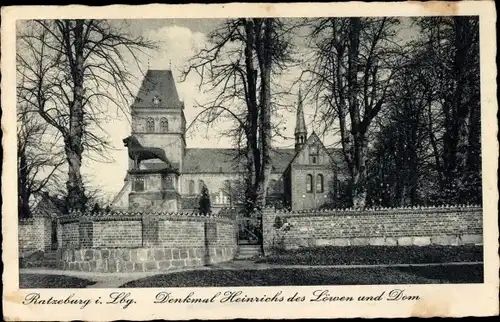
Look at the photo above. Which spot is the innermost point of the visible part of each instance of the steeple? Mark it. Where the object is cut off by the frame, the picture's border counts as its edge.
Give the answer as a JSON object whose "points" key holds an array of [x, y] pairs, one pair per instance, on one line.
{"points": [[300, 127]]}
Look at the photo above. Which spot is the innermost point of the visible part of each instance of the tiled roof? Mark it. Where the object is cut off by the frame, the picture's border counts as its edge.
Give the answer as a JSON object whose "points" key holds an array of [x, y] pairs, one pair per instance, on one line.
{"points": [[281, 159], [158, 165], [158, 83], [204, 160], [226, 160], [48, 205], [212, 161]]}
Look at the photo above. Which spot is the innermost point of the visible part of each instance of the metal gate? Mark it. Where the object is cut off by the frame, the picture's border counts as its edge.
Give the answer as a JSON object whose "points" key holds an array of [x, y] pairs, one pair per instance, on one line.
{"points": [[53, 235], [249, 230]]}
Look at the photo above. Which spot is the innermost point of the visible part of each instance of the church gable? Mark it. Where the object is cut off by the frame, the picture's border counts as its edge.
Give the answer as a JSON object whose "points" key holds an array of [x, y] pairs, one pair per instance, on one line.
{"points": [[313, 153]]}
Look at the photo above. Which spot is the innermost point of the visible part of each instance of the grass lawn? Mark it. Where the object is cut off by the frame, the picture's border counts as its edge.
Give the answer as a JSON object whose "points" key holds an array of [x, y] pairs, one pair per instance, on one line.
{"points": [[369, 255], [51, 281], [449, 274], [314, 276]]}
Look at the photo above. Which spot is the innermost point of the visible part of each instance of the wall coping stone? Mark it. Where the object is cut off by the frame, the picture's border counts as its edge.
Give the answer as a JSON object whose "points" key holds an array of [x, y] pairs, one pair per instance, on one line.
{"points": [[74, 216], [380, 210], [38, 214]]}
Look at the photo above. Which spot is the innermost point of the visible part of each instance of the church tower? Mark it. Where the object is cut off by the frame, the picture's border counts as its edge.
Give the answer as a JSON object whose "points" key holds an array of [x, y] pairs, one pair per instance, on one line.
{"points": [[158, 117], [300, 127]]}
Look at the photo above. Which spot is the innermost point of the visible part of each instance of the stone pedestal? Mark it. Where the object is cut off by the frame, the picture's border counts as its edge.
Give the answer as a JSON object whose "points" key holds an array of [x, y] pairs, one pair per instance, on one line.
{"points": [[154, 190]]}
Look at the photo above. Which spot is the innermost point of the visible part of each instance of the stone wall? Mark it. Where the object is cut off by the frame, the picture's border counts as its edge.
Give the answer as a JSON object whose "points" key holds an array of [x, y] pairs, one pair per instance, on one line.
{"points": [[129, 242], [35, 234], [424, 226]]}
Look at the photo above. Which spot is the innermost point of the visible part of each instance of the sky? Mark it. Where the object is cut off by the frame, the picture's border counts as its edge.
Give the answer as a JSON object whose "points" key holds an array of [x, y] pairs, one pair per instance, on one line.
{"points": [[178, 40]]}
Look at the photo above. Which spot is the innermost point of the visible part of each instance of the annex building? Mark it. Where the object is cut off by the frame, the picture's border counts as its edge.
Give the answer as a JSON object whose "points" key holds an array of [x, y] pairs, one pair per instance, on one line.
{"points": [[304, 177]]}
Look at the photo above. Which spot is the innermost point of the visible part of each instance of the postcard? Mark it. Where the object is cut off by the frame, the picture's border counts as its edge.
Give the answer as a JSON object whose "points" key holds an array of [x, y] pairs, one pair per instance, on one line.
{"points": [[278, 161]]}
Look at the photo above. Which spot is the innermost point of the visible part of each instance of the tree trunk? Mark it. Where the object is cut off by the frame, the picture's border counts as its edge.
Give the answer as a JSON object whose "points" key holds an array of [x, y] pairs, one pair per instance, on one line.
{"points": [[252, 153], [359, 171], [359, 178], [23, 189], [73, 142], [265, 110]]}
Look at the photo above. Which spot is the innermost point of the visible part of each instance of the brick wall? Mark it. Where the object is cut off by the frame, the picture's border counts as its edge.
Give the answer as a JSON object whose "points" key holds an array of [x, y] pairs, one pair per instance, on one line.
{"points": [[125, 234], [126, 242], [444, 226], [181, 232], [70, 235], [34, 234]]}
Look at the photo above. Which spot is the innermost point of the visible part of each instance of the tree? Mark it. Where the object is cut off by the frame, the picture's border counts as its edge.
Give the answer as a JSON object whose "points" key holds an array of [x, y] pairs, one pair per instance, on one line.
{"points": [[71, 71], [205, 206], [452, 45], [239, 66], [350, 74], [38, 159], [427, 148], [400, 155]]}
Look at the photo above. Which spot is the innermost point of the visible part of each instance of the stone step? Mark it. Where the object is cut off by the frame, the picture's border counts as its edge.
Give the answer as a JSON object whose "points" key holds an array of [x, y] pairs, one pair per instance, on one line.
{"points": [[50, 259], [249, 246], [49, 264], [248, 251], [50, 255]]}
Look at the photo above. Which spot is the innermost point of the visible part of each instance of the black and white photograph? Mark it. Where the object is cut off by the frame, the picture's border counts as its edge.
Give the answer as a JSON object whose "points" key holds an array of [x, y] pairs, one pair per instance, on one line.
{"points": [[248, 152]]}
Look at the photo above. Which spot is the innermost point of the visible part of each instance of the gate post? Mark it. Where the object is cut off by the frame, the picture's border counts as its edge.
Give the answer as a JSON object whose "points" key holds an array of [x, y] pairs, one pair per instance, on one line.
{"points": [[268, 230]]}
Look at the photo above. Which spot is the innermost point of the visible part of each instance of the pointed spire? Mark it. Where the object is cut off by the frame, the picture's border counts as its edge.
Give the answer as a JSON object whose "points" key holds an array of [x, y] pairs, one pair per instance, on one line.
{"points": [[300, 127]]}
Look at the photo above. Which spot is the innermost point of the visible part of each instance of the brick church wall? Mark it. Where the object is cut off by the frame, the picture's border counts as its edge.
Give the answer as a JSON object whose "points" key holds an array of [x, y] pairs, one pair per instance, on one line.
{"points": [[391, 227], [301, 198], [139, 242]]}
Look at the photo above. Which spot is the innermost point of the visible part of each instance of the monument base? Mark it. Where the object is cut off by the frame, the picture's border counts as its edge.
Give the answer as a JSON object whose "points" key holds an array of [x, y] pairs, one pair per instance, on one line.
{"points": [[154, 190]]}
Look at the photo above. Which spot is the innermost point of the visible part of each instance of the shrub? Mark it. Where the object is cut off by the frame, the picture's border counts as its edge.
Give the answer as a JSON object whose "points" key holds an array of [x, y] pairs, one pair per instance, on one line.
{"points": [[205, 206]]}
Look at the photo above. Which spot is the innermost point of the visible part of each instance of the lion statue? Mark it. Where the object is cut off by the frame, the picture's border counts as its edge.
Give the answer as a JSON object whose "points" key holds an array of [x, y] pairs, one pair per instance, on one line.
{"points": [[138, 153]]}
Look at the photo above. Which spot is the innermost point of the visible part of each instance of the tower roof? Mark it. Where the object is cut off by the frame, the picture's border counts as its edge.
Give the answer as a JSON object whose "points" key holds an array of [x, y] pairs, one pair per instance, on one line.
{"points": [[158, 85], [300, 126]]}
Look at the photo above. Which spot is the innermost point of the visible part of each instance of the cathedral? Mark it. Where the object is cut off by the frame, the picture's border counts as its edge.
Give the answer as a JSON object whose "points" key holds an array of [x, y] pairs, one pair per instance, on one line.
{"points": [[304, 177]]}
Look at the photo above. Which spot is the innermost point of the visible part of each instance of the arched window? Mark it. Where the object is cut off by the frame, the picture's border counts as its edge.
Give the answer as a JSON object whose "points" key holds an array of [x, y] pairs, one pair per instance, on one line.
{"points": [[150, 125], [201, 184], [163, 125], [227, 186], [191, 187], [319, 183], [272, 187], [138, 184], [279, 185], [226, 191], [314, 154], [309, 183]]}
